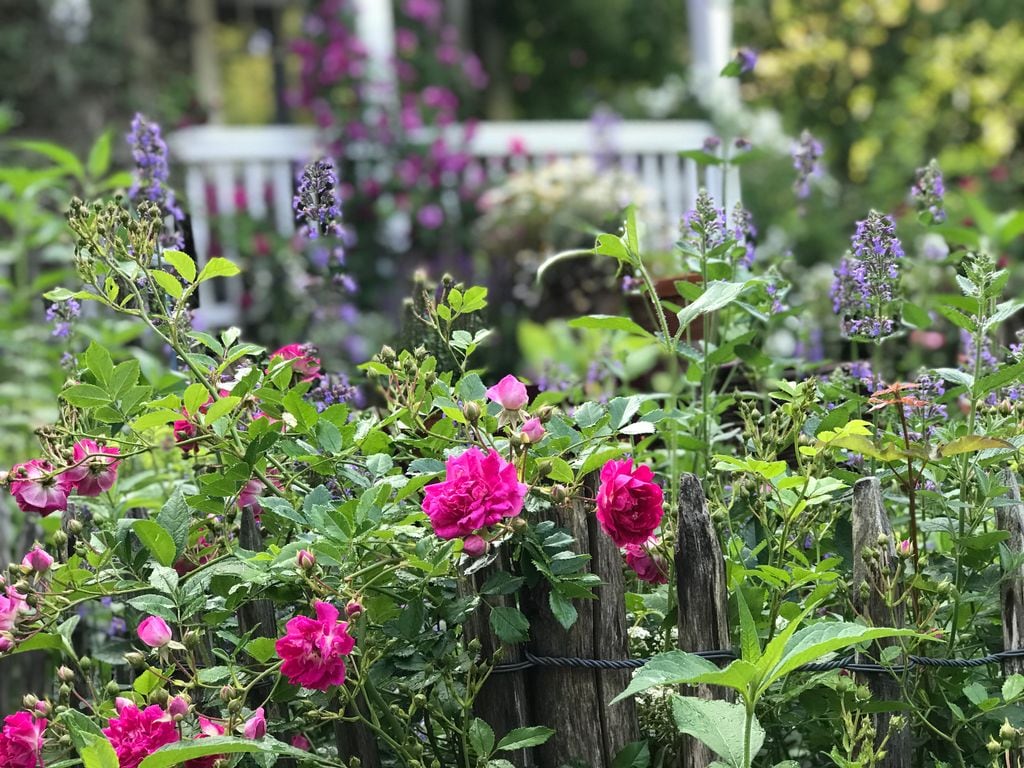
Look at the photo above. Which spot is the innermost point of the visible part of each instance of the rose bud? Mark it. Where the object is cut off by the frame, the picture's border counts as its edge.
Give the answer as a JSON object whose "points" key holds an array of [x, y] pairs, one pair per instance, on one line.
{"points": [[154, 632]]}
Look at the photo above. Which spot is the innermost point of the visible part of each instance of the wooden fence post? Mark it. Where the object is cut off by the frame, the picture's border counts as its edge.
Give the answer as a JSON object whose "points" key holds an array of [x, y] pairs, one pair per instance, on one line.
{"points": [[502, 702], [574, 701], [703, 613], [1010, 518], [874, 563]]}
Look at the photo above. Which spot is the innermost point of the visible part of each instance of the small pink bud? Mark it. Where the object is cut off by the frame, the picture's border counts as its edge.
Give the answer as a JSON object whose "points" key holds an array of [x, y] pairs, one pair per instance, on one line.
{"points": [[178, 706], [510, 393], [43, 708], [533, 430], [121, 702], [353, 608], [154, 632], [38, 560], [306, 560], [256, 726], [6, 642], [474, 545], [904, 548], [301, 742]]}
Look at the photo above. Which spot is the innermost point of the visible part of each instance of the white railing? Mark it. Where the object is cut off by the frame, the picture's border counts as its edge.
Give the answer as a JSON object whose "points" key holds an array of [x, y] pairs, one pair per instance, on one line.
{"points": [[219, 162]]}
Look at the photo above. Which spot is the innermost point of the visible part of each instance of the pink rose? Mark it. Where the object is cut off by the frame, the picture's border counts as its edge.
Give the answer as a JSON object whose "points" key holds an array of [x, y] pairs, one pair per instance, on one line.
{"points": [[94, 470], [21, 741], [256, 726], [37, 560], [313, 650], [474, 545], [137, 733], [478, 490], [301, 742], [154, 632], [648, 566], [306, 364], [36, 487], [509, 392], [533, 430], [12, 605], [207, 728], [628, 502], [306, 560]]}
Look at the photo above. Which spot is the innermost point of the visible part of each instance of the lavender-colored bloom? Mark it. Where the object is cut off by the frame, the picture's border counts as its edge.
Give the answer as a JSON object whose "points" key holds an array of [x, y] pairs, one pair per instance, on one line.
{"points": [[744, 231], [703, 226], [742, 144], [867, 280], [62, 314], [928, 192], [747, 58], [316, 201], [603, 124], [863, 372], [929, 388], [711, 144], [332, 390], [149, 182], [989, 362], [806, 153]]}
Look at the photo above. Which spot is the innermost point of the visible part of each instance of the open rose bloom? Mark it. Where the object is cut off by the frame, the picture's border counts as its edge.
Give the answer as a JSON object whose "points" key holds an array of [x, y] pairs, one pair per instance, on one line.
{"points": [[37, 487], [314, 650], [94, 469], [21, 741], [137, 733], [479, 489], [629, 502]]}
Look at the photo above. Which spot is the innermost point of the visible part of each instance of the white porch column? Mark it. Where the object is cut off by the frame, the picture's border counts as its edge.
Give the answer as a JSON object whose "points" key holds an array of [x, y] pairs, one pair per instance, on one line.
{"points": [[375, 25], [710, 34]]}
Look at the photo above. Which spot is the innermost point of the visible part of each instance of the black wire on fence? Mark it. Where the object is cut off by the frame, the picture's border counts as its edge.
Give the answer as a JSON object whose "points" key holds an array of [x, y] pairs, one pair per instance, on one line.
{"points": [[849, 663]]}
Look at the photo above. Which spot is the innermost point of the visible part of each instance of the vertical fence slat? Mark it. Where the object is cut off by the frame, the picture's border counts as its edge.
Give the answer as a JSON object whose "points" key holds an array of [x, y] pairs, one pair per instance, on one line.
{"points": [[501, 702], [874, 563], [1010, 518], [703, 599], [574, 701]]}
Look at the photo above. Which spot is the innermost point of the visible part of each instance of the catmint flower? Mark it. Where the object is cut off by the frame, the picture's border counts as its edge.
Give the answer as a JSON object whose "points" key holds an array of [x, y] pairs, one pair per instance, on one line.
{"points": [[62, 314], [711, 144], [703, 226], [152, 172], [867, 279], [989, 361], [744, 231], [747, 59], [928, 192], [316, 201], [806, 153]]}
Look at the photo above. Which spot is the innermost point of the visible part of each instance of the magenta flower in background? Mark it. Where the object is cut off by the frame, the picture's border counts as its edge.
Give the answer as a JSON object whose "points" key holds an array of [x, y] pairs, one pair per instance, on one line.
{"points": [[137, 733], [301, 742], [306, 363], [37, 560], [629, 502], [154, 632], [256, 726], [37, 488], [510, 393], [430, 216], [21, 741], [94, 470], [314, 650], [533, 430], [478, 490], [648, 566], [207, 728]]}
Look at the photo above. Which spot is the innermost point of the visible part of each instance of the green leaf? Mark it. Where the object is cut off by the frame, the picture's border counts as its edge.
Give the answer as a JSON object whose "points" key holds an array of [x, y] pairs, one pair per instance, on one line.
{"points": [[1003, 376], [88, 739], [182, 264], [509, 624], [168, 282], [611, 245], [195, 398], [156, 540], [218, 266], [98, 162], [481, 737], [523, 738], [812, 642], [97, 360], [717, 295], [1013, 687], [749, 641], [221, 407], [636, 754], [182, 751], [85, 396], [175, 518], [609, 323], [671, 668], [562, 609], [262, 649], [720, 725], [64, 158], [972, 444]]}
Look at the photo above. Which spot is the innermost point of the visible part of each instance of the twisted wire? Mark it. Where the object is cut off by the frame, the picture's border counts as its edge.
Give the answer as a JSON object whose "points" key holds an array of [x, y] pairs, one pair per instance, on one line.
{"points": [[848, 663]]}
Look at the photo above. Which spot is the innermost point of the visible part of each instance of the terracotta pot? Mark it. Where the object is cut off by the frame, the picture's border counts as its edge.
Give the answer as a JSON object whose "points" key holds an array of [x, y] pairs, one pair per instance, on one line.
{"points": [[643, 313]]}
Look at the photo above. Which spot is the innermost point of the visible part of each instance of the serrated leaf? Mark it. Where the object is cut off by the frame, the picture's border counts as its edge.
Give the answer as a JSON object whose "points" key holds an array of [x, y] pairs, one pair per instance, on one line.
{"points": [[524, 738], [156, 540], [972, 444], [182, 264], [85, 396], [562, 609], [175, 518], [509, 624], [481, 737], [609, 323], [720, 725], [168, 282], [218, 266], [671, 668], [716, 296]]}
